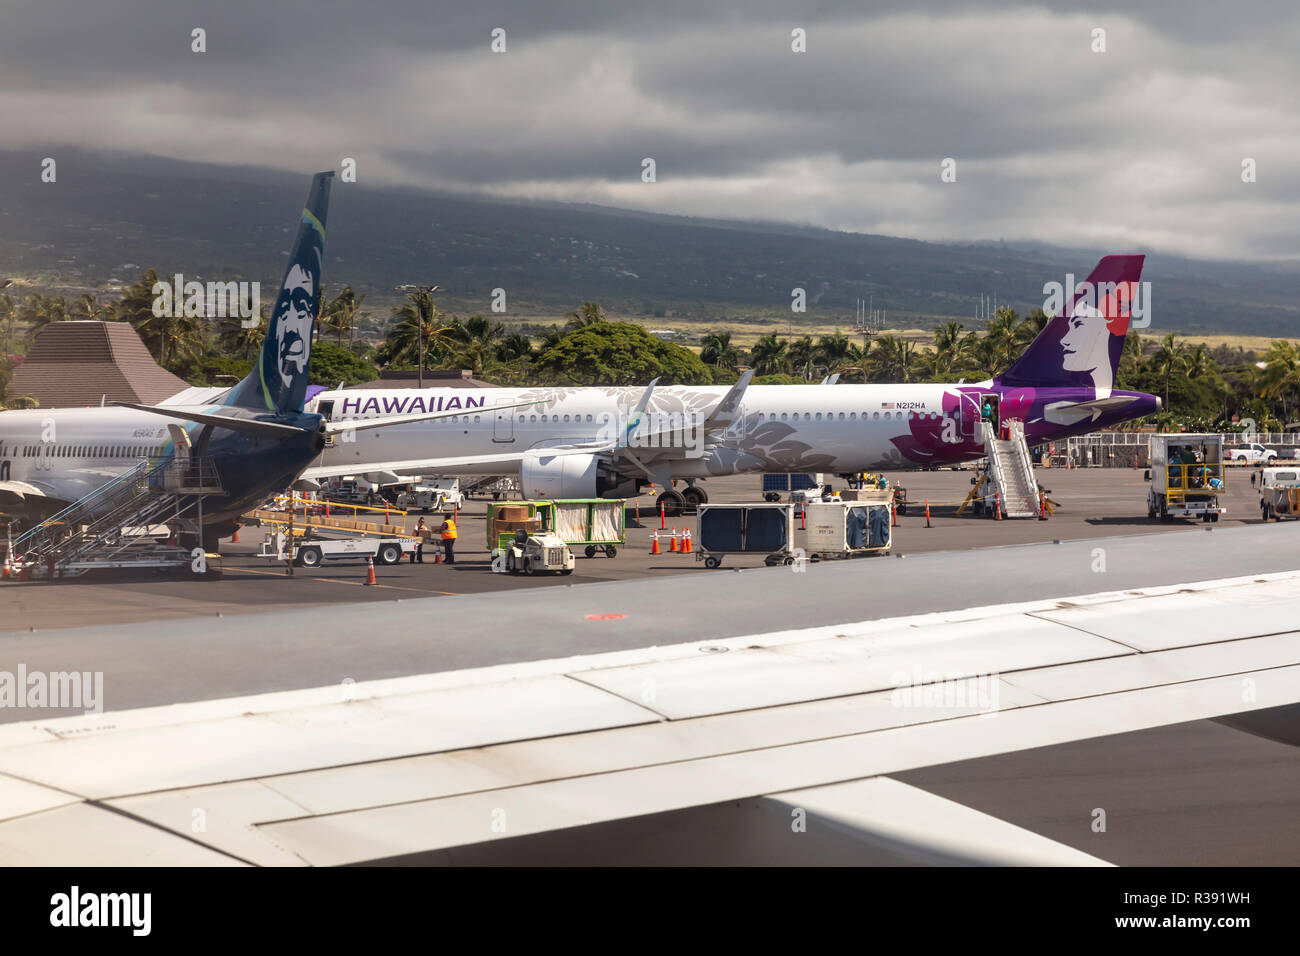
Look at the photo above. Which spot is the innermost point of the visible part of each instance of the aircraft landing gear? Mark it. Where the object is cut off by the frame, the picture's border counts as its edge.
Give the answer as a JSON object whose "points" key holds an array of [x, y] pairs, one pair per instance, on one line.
{"points": [[695, 496], [672, 502]]}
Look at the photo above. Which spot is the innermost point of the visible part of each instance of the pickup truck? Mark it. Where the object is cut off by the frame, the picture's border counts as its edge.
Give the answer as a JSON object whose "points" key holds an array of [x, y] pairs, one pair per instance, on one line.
{"points": [[1253, 453]]}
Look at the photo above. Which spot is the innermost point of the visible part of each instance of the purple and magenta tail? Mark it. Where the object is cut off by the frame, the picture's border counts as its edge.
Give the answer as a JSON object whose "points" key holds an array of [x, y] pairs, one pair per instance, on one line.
{"points": [[1081, 345]]}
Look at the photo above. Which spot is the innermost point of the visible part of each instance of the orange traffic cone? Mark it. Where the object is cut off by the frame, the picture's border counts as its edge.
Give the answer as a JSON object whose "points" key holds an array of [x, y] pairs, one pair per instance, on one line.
{"points": [[927, 512], [6, 570], [370, 571], [997, 507], [686, 541], [654, 543], [672, 542], [234, 538]]}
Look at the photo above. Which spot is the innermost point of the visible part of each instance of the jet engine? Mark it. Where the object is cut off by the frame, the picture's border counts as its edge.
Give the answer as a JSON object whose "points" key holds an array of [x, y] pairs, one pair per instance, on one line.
{"points": [[573, 476]]}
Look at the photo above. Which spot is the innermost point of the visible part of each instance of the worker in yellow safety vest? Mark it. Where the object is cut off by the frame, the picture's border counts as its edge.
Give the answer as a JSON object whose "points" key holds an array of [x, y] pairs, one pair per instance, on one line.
{"points": [[449, 540]]}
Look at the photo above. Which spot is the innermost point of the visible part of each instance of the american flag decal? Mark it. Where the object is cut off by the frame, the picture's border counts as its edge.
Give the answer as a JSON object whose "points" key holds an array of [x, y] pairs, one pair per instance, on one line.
{"points": [[886, 404]]}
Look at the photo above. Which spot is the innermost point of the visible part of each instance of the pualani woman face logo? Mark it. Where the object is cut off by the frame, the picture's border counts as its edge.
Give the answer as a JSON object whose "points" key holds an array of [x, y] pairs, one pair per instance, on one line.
{"points": [[293, 328], [1085, 347]]}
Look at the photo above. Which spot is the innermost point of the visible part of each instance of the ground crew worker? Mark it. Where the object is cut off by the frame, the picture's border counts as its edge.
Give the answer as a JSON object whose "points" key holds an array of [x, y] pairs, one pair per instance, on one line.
{"points": [[418, 556], [449, 540]]}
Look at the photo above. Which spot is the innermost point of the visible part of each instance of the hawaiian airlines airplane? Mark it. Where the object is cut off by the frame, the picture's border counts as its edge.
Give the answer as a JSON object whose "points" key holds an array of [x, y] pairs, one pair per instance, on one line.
{"points": [[258, 436], [589, 442]]}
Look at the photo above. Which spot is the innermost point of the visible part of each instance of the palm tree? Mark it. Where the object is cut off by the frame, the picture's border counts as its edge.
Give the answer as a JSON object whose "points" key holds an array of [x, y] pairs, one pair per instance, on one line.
{"points": [[340, 315], [769, 355], [85, 307], [894, 357], [513, 346], [588, 313], [1168, 360], [1199, 362], [853, 364], [235, 338], [1130, 359], [1281, 373], [8, 312], [418, 327], [802, 355], [477, 328], [475, 355], [1000, 333], [39, 311], [836, 350], [169, 338], [716, 349], [948, 347], [1029, 328], [551, 337]]}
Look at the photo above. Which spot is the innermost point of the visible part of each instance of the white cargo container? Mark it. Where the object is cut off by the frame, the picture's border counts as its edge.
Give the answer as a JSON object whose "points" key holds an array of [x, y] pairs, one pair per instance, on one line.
{"points": [[845, 529]]}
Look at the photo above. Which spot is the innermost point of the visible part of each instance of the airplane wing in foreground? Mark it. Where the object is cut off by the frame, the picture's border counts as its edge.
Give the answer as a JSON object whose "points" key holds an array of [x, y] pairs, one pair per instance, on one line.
{"points": [[815, 720]]}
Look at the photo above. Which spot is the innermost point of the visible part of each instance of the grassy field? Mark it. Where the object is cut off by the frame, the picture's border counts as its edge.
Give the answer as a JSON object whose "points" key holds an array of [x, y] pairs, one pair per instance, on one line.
{"points": [[1250, 343], [743, 334]]}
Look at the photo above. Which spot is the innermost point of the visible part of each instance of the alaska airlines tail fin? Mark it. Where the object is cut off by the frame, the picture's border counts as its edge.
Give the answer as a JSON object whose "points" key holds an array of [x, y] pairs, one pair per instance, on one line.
{"points": [[1081, 345], [278, 383]]}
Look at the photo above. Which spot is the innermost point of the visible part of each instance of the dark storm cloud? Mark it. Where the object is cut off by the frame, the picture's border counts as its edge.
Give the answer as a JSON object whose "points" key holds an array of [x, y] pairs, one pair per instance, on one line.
{"points": [[1140, 145]]}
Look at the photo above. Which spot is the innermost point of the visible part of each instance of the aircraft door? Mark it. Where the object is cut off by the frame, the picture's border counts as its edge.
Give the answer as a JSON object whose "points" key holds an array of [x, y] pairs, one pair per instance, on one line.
{"points": [[503, 427], [180, 441], [969, 407]]}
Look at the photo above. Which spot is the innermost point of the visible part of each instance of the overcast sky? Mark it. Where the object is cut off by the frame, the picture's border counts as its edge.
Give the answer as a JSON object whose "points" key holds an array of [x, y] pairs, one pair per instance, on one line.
{"points": [[1137, 148]]}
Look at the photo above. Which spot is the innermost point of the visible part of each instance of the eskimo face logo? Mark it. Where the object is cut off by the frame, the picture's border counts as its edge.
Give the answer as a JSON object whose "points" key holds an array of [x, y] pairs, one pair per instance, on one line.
{"points": [[293, 325]]}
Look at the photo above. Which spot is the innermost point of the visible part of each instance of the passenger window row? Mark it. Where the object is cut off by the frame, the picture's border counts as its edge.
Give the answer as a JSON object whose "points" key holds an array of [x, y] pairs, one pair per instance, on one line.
{"points": [[85, 451], [850, 416]]}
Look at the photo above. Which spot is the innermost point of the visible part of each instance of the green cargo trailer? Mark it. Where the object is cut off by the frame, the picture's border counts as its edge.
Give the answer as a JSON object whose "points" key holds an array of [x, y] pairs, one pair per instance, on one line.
{"points": [[594, 524]]}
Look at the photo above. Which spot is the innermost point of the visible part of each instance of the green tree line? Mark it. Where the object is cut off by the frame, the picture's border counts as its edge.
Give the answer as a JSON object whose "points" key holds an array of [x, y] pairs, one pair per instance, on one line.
{"points": [[1201, 388]]}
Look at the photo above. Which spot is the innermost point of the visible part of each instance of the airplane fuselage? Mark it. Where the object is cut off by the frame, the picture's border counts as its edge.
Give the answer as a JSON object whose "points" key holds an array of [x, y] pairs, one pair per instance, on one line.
{"points": [[65, 454], [819, 428]]}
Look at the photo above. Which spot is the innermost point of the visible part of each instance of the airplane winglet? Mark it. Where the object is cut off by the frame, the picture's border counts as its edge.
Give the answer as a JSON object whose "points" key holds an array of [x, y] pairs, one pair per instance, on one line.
{"points": [[641, 406], [725, 412]]}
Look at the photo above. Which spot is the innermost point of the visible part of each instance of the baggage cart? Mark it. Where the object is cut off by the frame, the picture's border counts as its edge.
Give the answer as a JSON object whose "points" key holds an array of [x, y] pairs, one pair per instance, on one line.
{"points": [[749, 529]]}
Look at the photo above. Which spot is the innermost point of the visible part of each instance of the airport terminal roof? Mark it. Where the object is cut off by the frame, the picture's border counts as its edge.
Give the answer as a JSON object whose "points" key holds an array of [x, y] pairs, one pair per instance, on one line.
{"points": [[83, 362]]}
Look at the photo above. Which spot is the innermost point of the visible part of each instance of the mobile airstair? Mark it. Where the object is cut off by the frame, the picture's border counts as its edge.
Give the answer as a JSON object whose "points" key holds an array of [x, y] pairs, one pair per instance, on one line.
{"points": [[1011, 470], [130, 521]]}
